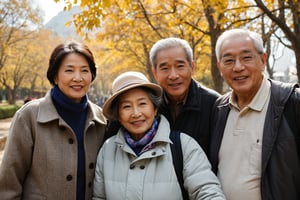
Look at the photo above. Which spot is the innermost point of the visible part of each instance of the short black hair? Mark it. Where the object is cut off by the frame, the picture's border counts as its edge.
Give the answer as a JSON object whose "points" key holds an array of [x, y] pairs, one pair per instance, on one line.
{"points": [[62, 50]]}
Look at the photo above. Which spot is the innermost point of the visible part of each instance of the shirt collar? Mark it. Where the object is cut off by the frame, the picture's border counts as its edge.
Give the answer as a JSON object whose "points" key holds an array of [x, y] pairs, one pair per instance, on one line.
{"points": [[259, 99], [165, 97]]}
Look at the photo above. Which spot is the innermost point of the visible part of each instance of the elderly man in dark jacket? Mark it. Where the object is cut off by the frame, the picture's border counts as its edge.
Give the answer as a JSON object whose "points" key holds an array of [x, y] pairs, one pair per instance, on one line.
{"points": [[186, 104], [255, 136], [195, 114]]}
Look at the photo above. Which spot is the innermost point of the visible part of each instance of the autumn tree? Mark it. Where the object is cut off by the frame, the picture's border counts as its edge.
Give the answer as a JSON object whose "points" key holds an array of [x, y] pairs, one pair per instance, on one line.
{"points": [[132, 27], [17, 22], [15, 16], [14, 71], [37, 62], [130, 30], [27, 65], [255, 17], [286, 15]]}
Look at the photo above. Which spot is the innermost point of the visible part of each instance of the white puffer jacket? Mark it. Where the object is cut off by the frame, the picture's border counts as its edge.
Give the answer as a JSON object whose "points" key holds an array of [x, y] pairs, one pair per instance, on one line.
{"points": [[121, 175]]}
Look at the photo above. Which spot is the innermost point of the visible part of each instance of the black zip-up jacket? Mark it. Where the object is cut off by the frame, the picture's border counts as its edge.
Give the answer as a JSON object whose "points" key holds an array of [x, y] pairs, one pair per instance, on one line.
{"points": [[280, 178], [194, 119]]}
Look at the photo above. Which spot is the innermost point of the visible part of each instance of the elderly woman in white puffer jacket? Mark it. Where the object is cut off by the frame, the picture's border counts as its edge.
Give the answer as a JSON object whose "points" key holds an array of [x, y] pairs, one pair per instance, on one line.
{"points": [[136, 163]]}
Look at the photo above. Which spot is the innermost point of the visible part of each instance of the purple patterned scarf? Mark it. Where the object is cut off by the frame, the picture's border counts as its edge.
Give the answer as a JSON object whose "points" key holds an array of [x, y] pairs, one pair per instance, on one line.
{"points": [[140, 147]]}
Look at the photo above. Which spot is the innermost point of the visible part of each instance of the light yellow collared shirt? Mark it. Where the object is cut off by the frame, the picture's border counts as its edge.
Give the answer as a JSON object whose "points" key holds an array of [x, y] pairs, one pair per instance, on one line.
{"points": [[241, 148]]}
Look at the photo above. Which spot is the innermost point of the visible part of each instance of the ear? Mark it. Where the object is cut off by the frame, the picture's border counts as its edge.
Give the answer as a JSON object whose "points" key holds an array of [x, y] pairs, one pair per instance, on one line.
{"points": [[193, 67], [219, 67], [264, 58], [55, 80], [153, 69]]}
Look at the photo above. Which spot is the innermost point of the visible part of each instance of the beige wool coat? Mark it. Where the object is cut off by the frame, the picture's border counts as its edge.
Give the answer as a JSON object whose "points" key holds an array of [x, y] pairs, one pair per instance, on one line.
{"points": [[40, 158]]}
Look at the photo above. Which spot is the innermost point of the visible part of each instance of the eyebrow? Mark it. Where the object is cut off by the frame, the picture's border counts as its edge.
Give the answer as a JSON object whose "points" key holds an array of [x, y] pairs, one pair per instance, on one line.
{"points": [[162, 64], [73, 66], [177, 61], [244, 51]]}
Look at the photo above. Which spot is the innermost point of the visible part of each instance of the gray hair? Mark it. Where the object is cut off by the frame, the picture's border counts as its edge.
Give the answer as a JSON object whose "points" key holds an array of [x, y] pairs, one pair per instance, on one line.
{"points": [[168, 43], [255, 37]]}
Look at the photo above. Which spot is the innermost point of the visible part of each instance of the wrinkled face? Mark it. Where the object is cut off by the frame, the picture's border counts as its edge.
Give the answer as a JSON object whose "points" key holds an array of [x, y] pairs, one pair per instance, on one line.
{"points": [[136, 112], [241, 65], [74, 76], [173, 72]]}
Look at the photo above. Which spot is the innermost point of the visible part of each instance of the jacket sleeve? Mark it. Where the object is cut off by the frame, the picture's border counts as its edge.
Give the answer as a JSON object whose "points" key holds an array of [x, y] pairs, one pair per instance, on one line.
{"points": [[297, 109], [98, 186], [293, 116], [199, 180], [17, 158]]}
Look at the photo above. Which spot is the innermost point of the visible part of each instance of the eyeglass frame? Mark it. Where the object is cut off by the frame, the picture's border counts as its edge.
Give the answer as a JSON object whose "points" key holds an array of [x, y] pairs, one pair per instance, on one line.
{"points": [[242, 59]]}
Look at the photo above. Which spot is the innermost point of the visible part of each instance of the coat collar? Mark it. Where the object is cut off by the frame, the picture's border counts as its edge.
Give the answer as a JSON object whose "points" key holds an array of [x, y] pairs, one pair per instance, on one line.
{"points": [[47, 112]]}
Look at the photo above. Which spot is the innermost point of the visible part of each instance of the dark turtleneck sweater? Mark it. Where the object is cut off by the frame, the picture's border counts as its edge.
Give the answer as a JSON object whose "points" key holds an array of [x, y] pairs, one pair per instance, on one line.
{"points": [[74, 115]]}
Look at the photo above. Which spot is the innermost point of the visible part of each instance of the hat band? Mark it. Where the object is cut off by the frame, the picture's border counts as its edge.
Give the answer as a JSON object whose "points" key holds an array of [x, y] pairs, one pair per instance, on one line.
{"points": [[127, 86]]}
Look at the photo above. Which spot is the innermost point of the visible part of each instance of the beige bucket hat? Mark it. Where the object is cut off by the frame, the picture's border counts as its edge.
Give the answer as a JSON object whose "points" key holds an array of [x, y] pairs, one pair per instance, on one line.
{"points": [[125, 82]]}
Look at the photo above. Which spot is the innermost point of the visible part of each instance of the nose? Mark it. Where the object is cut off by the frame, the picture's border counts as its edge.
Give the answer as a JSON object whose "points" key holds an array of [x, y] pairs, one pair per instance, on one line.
{"points": [[238, 66], [77, 76], [136, 112], [173, 73]]}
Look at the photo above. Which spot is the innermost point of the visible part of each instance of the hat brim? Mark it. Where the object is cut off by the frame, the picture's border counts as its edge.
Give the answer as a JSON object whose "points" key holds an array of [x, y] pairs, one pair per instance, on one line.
{"points": [[107, 110]]}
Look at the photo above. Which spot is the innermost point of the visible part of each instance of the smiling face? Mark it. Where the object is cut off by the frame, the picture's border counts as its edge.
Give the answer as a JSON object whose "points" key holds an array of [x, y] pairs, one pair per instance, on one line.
{"points": [[245, 77], [173, 72], [136, 112], [74, 77]]}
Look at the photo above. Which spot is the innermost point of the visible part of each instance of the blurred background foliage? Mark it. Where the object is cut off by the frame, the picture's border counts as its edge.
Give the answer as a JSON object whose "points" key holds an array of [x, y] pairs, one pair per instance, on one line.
{"points": [[121, 33]]}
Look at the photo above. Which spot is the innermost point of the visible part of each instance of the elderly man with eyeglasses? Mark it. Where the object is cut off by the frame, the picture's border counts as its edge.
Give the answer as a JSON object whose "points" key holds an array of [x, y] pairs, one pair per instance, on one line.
{"points": [[255, 141]]}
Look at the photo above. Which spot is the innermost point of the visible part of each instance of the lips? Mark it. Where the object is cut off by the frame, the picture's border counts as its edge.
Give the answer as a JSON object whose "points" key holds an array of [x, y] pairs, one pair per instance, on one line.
{"points": [[239, 78], [138, 123], [174, 85], [77, 87]]}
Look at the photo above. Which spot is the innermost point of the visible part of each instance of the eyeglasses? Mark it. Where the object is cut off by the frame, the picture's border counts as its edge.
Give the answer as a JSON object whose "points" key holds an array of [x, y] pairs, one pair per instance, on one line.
{"points": [[244, 58]]}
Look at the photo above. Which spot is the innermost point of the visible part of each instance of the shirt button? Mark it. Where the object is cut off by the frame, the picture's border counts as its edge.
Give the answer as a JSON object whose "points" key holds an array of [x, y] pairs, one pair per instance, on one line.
{"points": [[90, 184], [132, 166], [69, 177], [71, 141], [91, 165], [142, 167], [153, 153]]}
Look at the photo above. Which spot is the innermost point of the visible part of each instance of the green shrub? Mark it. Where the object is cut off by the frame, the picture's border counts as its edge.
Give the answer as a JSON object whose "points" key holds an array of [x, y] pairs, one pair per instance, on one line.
{"points": [[7, 111]]}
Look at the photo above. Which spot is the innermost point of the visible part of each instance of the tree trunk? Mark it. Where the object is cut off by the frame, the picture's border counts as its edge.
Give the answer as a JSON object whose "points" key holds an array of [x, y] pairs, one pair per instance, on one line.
{"points": [[297, 55], [217, 78], [215, 31], [11, 99]]}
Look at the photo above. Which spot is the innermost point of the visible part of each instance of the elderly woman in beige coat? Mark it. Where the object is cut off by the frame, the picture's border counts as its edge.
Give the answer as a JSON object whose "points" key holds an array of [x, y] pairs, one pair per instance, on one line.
{"points": [[53, 142], [136, 163]]}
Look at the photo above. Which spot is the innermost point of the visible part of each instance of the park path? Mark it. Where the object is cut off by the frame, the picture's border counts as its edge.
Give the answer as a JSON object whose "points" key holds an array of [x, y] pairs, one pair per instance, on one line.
{"points": [[4, 129]]}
